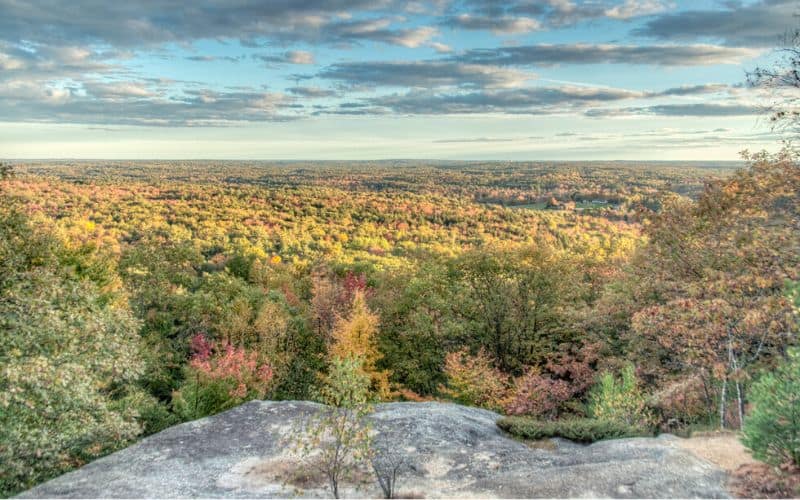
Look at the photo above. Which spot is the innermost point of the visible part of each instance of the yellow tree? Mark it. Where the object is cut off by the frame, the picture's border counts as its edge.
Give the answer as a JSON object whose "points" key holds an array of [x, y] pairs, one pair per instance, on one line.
{"points": [[356, 337]]}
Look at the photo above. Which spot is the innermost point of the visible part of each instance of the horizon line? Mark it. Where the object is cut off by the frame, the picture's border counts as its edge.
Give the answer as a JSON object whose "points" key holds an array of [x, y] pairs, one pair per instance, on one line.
{"points": [[331, 160]]}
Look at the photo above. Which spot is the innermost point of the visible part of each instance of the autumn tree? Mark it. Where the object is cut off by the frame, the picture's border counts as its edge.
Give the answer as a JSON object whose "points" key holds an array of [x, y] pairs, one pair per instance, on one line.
{"points": [[356, 337], [324, 302], [557, 387], [712, 275], [332, 298], [220, 376]]}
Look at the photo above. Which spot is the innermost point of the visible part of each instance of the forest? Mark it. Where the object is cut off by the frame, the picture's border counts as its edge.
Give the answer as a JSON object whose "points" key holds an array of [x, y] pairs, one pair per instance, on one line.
{"points": [[137, 295]]}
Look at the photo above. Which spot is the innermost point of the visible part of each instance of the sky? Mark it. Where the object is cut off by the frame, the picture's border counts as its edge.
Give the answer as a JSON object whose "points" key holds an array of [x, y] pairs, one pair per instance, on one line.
{"points": [[374, 79]]}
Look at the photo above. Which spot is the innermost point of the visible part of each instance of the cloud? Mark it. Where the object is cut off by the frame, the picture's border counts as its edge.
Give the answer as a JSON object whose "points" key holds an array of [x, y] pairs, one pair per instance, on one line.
{"points": [[636, 8], [760, 24], [567, 99], [311, 92], [118, 90], [503, 25], [441, 48], [422, 74], [206, 58], [657, 55], [151, 23], [670, 137], [132, 103], [289, 57], [536, 100], [560, 13], [21, 90], [33, 61], [300, 57], [683, 110], [56, 66], [378, 30], [688, 90], [475, 139]]}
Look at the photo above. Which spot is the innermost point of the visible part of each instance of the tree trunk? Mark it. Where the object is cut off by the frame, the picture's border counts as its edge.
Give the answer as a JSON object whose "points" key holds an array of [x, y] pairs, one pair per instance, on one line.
{"points": [[735, 366], [740, 403], [722, 401]]}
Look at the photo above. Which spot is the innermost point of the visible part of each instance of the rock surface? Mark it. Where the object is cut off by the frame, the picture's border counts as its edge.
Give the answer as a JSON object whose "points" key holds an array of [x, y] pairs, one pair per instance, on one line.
{"points": [[451, 451]]}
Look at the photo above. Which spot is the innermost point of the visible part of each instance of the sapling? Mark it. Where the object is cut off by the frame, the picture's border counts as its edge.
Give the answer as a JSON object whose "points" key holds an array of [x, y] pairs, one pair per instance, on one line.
{"points": [[338, 436]]}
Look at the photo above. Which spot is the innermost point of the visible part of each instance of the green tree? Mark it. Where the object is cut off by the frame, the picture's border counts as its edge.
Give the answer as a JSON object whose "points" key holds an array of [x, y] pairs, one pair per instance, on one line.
{"points": [[6, 171], [518, 302], [418, 324], [68, 361], [772, 429]]}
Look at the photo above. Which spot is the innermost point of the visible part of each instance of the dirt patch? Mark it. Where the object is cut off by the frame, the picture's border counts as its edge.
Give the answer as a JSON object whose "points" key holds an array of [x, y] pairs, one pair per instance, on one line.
{"points": [[722, 449], [749, 478], [282, 470]]}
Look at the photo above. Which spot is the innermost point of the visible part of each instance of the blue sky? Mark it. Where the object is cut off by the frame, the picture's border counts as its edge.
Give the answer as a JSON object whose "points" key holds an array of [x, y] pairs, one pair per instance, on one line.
{"points": [[357, 79]]}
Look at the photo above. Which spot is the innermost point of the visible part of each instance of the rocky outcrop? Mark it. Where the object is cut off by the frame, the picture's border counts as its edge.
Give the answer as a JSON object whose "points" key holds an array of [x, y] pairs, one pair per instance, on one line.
{"points": [[450, 451]]}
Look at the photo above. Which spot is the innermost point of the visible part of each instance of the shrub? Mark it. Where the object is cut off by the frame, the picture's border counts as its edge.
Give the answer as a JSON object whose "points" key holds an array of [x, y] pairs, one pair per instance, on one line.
{"points": [[538, 395], [220, 377], [582, 430], [559, 388], [620, 401], [772, 430], [472, 380]]}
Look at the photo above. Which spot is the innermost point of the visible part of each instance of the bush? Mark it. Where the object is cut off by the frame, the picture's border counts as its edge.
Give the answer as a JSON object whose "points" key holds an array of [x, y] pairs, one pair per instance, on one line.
{"points": [[620, 400], [538, 395], [772, 430], [220, 376], [472, 380], [557, 390], [582, 430]]}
